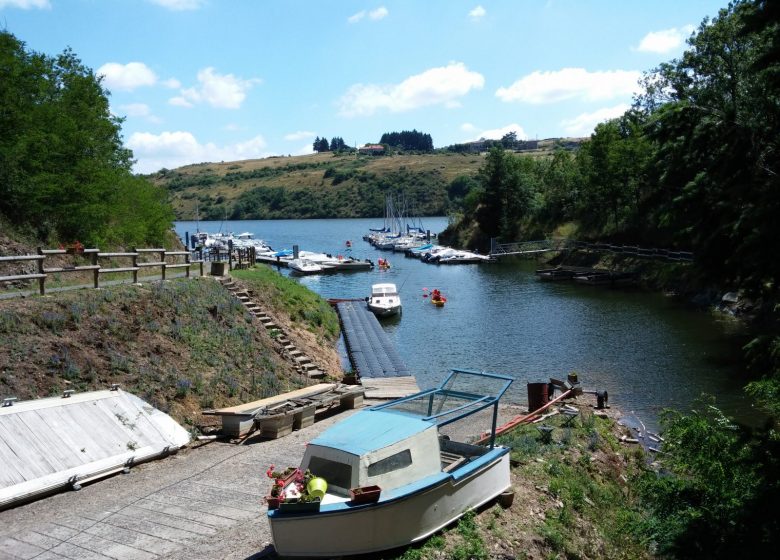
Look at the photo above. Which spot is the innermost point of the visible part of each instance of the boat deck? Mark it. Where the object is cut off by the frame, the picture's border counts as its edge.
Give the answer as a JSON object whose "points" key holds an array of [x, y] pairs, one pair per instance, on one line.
{"points": [[373, 357]]}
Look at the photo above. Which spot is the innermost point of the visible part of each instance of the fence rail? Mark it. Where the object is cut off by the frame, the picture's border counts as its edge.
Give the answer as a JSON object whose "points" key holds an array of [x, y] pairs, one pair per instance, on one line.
{"points": [[94, 256], [545, 245]]}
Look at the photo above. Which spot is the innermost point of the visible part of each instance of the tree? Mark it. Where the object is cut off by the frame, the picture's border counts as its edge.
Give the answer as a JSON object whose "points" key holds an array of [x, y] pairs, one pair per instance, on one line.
{"points": [[63, 169], [509, 140]]}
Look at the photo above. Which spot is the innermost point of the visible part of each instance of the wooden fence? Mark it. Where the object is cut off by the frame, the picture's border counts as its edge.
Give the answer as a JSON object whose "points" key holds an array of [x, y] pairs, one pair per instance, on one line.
{"points": [[132, 262]]}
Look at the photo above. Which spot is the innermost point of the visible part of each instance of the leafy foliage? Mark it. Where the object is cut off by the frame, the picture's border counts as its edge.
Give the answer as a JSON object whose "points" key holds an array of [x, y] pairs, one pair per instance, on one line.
{"points": [[408, 140], [63, 169], [718, 497]]}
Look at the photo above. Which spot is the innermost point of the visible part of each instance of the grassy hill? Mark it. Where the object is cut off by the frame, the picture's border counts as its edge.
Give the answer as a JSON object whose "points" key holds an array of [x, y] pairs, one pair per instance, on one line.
{"points": [[324, 185]]}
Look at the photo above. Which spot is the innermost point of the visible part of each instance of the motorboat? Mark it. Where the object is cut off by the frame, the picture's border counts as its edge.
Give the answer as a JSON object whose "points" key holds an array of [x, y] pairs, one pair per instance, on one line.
{"points": [[305, 266], [384, 300], [401, 452]]}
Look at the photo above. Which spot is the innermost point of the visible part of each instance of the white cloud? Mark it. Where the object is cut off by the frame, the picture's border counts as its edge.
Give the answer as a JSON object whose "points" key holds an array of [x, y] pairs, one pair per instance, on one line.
{"points": [[179, 5], [171, 83], [354, 18], [379, 13], [571, 83], [127, 76], [299, 135], [180, 101], [477, 13], [499, 133], [222, 91], [468, 127], [25, 4], [174, 149], [583, 124], [375, 15], [437, 86], [666, 41]]}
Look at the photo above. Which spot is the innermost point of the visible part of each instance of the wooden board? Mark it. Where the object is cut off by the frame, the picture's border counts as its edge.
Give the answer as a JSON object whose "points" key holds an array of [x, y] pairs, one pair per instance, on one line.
{"points": [[47, 443], [254, 405], [390, 387]]}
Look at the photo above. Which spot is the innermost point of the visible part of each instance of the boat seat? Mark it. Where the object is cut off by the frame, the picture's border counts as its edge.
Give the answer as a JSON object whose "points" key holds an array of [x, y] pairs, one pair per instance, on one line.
{"points": [[450, 461]]}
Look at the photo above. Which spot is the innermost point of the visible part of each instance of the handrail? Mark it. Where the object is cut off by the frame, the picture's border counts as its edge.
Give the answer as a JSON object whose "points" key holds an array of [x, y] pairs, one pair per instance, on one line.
{"points": [[94, 255]]}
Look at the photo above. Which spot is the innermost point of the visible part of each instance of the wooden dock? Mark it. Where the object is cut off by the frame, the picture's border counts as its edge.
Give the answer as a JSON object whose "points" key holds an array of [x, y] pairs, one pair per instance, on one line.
{"points": [[373, 357], [278, 416], [51, 443]]}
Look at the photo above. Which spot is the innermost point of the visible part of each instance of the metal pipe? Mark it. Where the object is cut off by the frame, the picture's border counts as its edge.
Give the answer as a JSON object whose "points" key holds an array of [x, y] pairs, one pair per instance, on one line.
{"points": [[517, 420]]}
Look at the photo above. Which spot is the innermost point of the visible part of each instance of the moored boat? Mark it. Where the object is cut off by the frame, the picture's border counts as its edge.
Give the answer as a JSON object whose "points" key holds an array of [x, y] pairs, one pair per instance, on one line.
{"points": [[305, 266], [420, 479], [384, 300]]}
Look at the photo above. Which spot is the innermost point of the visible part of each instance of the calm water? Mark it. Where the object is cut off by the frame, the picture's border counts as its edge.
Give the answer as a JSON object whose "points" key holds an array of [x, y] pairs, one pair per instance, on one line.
{"points": [[647, 351]]}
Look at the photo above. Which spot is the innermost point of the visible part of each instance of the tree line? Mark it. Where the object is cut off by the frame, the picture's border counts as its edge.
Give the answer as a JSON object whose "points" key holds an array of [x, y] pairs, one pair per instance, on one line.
{"points": [[692, 165], [64, 173], [336, 144], [409, 140]]}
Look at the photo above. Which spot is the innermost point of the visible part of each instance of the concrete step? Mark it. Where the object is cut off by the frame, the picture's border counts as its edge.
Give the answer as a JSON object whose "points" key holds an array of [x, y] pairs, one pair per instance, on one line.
{"points": [[315, 373], [302, 360], [270, 326]]}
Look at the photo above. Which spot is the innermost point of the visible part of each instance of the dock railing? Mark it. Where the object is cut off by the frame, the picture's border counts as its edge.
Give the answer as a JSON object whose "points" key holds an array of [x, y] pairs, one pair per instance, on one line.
{"points": [[560, 244], [93, 257]]}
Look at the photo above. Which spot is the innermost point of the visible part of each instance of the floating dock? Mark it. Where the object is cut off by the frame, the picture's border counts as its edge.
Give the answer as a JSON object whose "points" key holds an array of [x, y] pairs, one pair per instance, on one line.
{"points": [[373, 357], [51, 443]]}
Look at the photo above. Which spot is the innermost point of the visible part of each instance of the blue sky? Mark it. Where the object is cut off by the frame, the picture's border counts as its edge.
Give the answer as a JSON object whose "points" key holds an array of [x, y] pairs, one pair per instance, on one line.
{"points": [[219, 80]]}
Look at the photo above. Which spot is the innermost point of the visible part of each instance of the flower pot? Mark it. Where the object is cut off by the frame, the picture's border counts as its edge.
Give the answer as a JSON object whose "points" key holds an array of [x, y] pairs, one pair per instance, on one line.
{"points": [[273, 501], [317, 487], [296, 506], [365, 494]]}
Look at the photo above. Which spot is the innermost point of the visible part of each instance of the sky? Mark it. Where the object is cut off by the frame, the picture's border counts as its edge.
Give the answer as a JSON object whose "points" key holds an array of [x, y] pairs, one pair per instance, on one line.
{"points": [[225, 80]]}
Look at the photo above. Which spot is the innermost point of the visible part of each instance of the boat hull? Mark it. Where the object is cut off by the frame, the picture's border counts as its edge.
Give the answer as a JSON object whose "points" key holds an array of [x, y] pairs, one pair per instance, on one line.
{"points": [[405, 516], [381, 311]]}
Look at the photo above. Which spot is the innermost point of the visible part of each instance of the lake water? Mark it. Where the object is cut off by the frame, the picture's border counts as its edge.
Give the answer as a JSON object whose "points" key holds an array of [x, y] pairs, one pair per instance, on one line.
{"points": [[647, 351]]}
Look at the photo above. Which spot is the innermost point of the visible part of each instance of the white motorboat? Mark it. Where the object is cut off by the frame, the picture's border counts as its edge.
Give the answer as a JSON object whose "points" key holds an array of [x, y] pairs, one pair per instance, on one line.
{"points": [[424, 479], [384, 300], [305, 266]]}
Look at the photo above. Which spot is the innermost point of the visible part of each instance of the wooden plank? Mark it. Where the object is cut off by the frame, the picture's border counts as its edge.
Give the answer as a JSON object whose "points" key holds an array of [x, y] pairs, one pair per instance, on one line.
{"points": [[15, 258], [30, 463], [9, 474], [75, 435], [125, 269], [47, 442], [21, 277], [130, 421], [59, 441], [298, 393]]}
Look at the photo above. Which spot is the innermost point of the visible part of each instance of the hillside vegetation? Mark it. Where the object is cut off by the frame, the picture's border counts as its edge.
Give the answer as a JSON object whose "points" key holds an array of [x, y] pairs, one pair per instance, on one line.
{"points": [[322, 185], [183, 345]]}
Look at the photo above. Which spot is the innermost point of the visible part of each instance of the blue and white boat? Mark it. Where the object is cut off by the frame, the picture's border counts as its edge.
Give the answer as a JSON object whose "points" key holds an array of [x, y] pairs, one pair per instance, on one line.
{"points": [[410, 448]]}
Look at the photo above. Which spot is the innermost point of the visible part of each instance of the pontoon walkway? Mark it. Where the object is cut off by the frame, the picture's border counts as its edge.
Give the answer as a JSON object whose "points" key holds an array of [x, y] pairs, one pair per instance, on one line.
{"points": [[373, 357]]}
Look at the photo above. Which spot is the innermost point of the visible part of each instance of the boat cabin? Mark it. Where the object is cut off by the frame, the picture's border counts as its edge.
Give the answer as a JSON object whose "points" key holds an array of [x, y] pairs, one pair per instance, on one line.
{"points": [[397, 443]]}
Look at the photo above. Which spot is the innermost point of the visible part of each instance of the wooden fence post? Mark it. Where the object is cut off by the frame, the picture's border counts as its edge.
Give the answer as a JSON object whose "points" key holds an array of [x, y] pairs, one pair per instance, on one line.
{"points": [[134, 260], [95, 272], [41, 281], [162, 260]]}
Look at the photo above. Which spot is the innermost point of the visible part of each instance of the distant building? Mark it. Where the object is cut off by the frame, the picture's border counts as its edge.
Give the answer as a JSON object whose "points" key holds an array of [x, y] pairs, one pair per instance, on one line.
{"points": [[372, 149]]}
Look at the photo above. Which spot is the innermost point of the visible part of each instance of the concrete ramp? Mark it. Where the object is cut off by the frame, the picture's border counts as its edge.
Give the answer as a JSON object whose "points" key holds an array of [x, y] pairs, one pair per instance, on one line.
{"points": [[47, 444]]}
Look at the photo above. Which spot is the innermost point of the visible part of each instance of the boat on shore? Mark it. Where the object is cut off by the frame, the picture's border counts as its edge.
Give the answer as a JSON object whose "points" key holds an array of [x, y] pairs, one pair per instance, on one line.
{"points": [[414, 478], [384, 300]]}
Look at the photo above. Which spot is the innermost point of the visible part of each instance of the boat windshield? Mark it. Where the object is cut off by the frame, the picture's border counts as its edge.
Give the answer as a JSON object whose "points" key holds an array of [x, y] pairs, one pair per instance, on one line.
{"points": [[461, 394]]}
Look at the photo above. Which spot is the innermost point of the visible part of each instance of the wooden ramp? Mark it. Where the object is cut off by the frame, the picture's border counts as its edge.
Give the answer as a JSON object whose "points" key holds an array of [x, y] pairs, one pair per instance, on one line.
{"points": [[57, 442], [372, 355], [279, 415]]}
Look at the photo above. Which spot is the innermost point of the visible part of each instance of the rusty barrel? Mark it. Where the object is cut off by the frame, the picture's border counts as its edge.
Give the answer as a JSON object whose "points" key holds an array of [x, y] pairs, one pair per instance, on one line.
{"points": [[538, 395]]}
